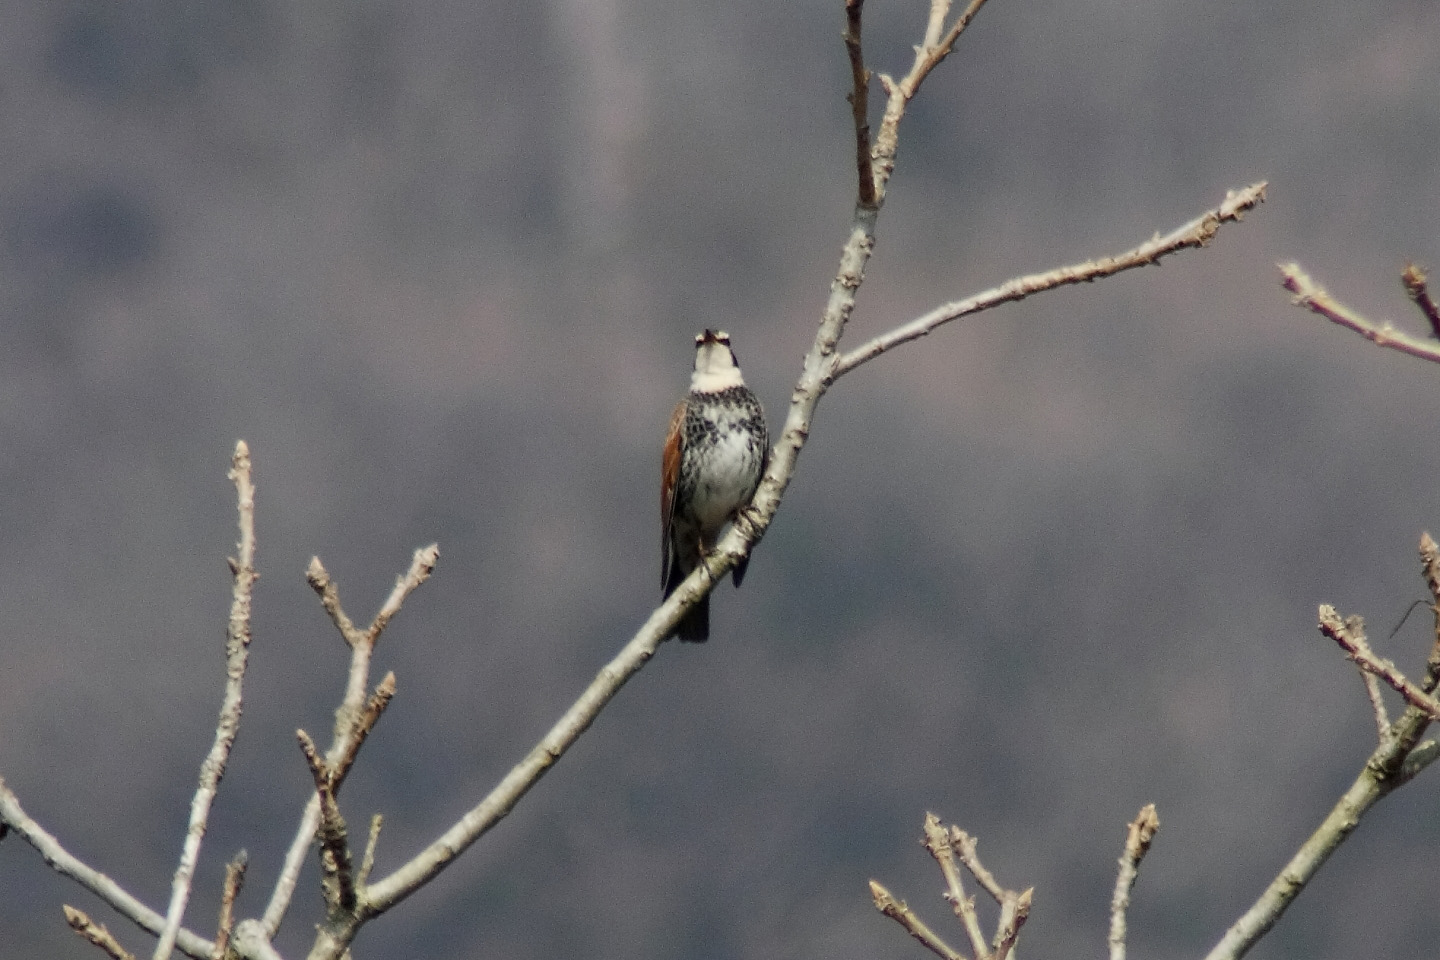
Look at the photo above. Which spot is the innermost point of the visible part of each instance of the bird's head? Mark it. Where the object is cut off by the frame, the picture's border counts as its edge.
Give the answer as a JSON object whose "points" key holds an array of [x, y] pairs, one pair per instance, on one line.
{"points": [[715, 366]]}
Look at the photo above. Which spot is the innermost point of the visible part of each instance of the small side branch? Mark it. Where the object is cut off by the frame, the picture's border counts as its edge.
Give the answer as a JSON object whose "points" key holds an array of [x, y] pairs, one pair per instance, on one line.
{"points": [[13, 815], [237, 646], [934, 48], [859, 98], [335, 862], [1137, 844], [1377, 705], [1430, 570], [898, 911], [1350, 635], [937, 841], [1313, 297], [365, 722], [367, 862], [946, 845], [1416, 286], [234, 879], [356, 714], [422, 564], [968, 849], [1196, 233], [1398, 758], [96, 933]]}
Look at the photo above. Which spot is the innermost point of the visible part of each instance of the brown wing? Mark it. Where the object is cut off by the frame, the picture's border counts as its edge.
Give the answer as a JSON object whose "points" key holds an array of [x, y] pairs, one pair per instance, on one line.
{"points": [[669, 476]]}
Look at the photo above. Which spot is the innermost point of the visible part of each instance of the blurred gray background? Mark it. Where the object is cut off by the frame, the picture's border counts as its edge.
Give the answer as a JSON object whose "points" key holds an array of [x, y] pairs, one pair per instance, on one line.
{"points": [[441, 263]]}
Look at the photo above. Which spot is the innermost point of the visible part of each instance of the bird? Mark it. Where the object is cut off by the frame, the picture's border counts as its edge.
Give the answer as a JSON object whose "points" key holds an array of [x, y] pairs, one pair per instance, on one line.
{"points": [[715, 453]]}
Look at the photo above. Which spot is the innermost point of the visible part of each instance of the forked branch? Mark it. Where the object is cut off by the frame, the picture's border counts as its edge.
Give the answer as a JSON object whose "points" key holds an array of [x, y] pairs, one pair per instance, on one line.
{"points": [[947, 845], [1317, 300], [1397, 758]]}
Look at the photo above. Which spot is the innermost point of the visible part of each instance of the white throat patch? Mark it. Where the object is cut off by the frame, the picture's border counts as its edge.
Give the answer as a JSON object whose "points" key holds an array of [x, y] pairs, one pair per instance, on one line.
{"points": [[715, 369]]}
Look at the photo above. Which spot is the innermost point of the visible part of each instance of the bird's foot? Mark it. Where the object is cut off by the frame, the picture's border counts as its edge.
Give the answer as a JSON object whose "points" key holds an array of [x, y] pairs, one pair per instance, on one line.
{"points": [[749, 521]]}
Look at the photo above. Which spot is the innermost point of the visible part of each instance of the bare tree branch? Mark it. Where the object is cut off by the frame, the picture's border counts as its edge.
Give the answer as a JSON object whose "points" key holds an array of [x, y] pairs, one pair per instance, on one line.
{"points": [[823, 363], [96, 933], [937, 841], [1430, 570], [1350, 635], [350, 715], [237, 645], [1417, 289], [896, 910], [945, 844], [234, 879], [968, 849], [1377, 704], [1137, 844], [1313, 297], [364, 723], [1398, 758], [1196, 233], [66, 864], [1014, 911], [367, 862], [859, 97], [335, 862]]}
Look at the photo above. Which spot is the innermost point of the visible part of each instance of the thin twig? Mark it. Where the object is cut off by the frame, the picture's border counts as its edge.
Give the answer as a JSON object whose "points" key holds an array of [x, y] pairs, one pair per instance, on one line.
{"points": [[968, 849], [375, 706], [234, 879], [1377, 704], [321, 582], [1014, 911], [1313, 297], [1416, 287], [1350, 635], [1196, 233], [899, 93], [937, 841], [1397, 759], [237, 646], [66, 864], [335, 862], [367, 862], [95, 933], [422, 564], [1430, 570], [349, 716], [897, 910], [1137, 844], [859, 97]]}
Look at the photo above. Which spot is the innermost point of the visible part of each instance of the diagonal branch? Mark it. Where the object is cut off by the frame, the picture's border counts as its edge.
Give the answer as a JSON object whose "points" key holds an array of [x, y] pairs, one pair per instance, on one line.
{"points": [[237, 646], [67, 864], [968, 849], [1196, 233], [96, 934], [898, 911], [1398, 758], [1350, 635], [1316, 299]]}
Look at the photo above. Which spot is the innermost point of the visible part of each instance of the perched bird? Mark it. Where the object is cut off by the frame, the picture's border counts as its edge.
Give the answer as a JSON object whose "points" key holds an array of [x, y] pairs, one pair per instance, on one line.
{"points": [[715, 454]]}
